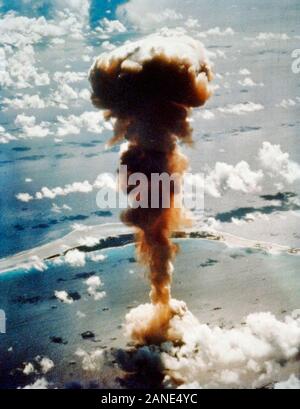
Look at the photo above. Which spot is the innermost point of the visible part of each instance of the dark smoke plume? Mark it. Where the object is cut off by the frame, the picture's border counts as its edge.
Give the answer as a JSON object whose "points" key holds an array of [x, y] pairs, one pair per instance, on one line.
{"points": [[149, 88]]}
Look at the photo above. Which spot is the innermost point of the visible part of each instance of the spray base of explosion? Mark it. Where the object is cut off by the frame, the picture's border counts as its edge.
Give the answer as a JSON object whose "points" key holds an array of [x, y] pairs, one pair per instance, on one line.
{"points": [[261, 352]]}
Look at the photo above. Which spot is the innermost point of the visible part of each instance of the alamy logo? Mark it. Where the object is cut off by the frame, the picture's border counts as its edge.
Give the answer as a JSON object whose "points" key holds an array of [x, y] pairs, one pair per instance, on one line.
{"points": [[154, 191], [296, 62], [2, 322]]}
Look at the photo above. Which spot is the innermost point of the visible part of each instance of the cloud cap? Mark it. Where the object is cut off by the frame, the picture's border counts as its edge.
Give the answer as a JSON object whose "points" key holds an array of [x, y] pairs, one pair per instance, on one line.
{"points": [[173, 69]]}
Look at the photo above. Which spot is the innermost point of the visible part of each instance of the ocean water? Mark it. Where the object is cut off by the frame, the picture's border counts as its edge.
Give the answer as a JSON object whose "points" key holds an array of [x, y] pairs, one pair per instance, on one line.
{"points": [[253, 66]]}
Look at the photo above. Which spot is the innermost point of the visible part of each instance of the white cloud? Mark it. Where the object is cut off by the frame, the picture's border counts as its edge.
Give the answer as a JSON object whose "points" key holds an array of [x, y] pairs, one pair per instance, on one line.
{"points": [[20, 71], [90, 120], [250, 218], [25, 101], [155, 13], [75, 258], [69, 76], [41, 383], [94, 283], [192, 23], [248, 82], [111, 26], [63, 95], [79, 7], [24, 197], [58, 209], [278, 163], [272, 36], [206, 114], [286, 103], [106, 45], [91, 361], [35, 263], [46, 364], [28, 369], [241, 109], [80, 227], [88, 241], [291, 383], [244, 71], [97, 257], [75, 187], [216, 31], [239, 177], [5, 137], [63, 296], [29, 127], [245, 356], [104, 180]]}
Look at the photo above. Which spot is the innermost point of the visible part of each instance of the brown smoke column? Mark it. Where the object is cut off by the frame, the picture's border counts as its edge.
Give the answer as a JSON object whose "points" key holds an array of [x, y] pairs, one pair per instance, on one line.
{"points": [[149, 87]]}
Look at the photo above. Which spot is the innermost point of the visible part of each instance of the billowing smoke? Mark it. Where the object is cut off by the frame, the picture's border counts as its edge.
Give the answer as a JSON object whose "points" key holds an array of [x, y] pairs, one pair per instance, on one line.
{"points": [[149, 87]]}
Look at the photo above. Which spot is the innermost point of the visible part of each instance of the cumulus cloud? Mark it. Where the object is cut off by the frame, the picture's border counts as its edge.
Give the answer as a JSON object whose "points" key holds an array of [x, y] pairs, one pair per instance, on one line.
{"points": [[239, 177], [90, 120], [29, 128], [25, 102], [250, 218], [91, 361], [162, 13], [94, 283], [217, 31], [291, 383], [78, 6], [272, 36], [104, 180], [20, 71], [46, 364], [28, 369], [97, 257], [63, 296], [24, 197], [244, 71], [63, 95], [75, 258], [278, 163], [287, 103], [69, 76], [41, 383], [88, 241], [111, 26], [155, 13], [246, 356], [58, 209], [20, 34], [241, 109], [5, 137], [35, 263], [106, 45], [75, 187], [248, 82]]}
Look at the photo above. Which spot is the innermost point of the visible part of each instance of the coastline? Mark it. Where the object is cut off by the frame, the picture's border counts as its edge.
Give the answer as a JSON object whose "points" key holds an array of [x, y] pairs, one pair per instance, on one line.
{"points": [[116, 235]]}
